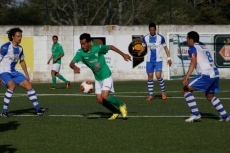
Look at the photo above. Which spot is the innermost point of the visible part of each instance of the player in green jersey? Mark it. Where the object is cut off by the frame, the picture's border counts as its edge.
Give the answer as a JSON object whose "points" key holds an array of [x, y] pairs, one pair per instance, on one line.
{"points": [[93, 57], [57, 54]]}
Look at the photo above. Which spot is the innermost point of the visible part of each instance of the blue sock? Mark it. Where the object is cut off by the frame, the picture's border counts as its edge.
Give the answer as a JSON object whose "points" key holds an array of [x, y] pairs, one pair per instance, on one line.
{"points": [[7, 99], [162, 84], [150, 87], [219, 107], [33, 98], [191, 103]]}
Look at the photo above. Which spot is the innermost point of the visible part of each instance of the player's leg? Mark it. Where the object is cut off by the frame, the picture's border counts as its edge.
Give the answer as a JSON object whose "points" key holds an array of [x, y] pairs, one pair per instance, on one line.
{"points": [[190, 99], [214, 87], [21, 80], [150, 85], [107, 87], [57, 68], [103, 102], [158, 72], [197, 83], [9, 83]]}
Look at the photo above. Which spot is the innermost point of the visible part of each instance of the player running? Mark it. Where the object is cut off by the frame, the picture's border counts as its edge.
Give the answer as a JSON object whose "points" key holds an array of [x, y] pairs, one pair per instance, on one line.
{"points": [[93, 57]]}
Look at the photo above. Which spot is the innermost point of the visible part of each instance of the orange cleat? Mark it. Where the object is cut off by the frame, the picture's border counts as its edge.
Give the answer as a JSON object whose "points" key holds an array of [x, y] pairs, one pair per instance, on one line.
{"points": [[150, 98], [163, 96]]}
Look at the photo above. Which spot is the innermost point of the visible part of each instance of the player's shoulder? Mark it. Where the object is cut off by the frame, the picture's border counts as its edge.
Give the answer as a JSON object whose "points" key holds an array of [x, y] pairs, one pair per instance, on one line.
{"points": [[159, 35], [6, 45], [145, 36]]}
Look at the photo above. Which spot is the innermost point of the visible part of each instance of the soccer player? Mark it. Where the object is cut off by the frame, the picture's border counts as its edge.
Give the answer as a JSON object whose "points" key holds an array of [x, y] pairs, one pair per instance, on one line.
{"points": [[10, 53], [57, 54], [207, 79], [155, 44], [93, 57]]}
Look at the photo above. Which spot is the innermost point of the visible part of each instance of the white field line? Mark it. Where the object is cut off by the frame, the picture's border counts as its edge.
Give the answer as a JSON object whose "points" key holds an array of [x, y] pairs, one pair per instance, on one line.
{"points": [[90, 95], [103, 116]]}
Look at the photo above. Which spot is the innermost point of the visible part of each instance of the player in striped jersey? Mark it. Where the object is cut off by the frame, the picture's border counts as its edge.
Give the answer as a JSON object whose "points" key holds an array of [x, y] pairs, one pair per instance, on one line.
{"points": [[10, 53], [206, 80], [155, 44]]}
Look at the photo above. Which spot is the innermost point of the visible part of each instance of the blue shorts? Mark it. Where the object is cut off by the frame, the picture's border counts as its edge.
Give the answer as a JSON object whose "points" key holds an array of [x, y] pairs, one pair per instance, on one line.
{"points": [[205, 83], [153, 67], [15, 76]]}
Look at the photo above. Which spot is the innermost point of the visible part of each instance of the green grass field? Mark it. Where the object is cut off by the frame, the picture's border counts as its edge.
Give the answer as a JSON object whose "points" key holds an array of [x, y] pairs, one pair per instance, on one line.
{"points": [[75, 123]]}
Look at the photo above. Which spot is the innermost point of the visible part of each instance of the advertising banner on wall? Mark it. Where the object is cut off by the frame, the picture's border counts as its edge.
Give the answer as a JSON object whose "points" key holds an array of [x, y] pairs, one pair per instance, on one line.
{"points": [[217, 44], [28, 48]]}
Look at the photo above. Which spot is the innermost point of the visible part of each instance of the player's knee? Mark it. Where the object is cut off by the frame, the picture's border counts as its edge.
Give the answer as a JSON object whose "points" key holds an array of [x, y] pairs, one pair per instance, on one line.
{"points": [[185, 90], [209, 97]]}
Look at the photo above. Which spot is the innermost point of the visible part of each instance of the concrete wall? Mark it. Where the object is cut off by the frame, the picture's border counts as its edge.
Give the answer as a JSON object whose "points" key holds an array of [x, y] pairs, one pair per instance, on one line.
{"points": [[120, 36]]}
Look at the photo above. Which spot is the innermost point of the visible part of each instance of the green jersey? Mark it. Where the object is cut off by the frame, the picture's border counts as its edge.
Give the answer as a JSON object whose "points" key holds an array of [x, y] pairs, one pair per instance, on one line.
{"points": [[95, 60], [57, 50]]}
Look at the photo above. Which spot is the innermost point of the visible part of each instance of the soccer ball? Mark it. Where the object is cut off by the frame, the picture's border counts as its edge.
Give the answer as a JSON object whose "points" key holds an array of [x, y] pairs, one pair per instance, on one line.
{"points": [[86, 87]]}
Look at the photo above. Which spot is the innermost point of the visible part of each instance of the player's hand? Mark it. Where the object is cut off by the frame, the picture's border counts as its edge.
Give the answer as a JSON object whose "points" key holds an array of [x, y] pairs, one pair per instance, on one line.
{"points": [[185, 81], [76, 69], [127, 57], [48, 62], [139, 53], [54, 60], [169, 62]]}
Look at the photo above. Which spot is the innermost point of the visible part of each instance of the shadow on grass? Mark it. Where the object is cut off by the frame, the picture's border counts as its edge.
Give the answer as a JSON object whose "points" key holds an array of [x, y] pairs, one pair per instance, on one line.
{"points": [[7, 149], [23, 111], [12, 125], [209, 115], [97, 115]]}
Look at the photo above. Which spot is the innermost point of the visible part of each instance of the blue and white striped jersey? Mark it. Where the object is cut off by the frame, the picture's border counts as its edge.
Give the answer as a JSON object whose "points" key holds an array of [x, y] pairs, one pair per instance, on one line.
{"points": [[155, 47], [9, 56]]}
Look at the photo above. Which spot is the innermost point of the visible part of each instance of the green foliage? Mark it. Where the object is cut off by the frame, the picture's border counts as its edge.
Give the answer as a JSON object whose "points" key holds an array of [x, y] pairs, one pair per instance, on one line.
{"points": [[122, 12]]}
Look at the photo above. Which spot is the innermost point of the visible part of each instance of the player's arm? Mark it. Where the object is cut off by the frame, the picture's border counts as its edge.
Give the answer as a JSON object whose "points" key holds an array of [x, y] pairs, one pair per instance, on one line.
{"points": [[74, 67], [192, 66], [168, 55], [24, 68], [59, 57], [141, 51], [51, 57], [115, 49]]}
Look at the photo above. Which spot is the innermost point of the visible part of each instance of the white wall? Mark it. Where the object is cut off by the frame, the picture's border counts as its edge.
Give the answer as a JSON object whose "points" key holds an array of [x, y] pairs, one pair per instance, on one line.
{"points": [[120, 36]]}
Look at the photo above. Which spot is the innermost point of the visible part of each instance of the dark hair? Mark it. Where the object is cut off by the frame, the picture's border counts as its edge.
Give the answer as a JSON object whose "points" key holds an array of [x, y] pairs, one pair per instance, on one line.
{"points": [[12, 32], [152, 25], [194, 36], [85, 36], [55, 36]]}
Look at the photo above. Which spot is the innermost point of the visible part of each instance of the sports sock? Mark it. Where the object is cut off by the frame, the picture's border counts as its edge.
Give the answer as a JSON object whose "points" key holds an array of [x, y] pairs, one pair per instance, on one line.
{"points": [[62, 78], [110, 107], [191, 103], [219, 107], [33, 98], [150, 87], [162, 84], [114, 101], [54, 81], [7, 99]]}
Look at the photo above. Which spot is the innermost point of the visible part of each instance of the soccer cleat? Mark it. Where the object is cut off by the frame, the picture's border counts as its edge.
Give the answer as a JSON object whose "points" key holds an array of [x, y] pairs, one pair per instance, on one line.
{"points": [[123, 111], [163, 96], [150, 98], [5, 114], [42, 111], [113, 117], [225, 120], [67, 85], [53, 88], [193, 118]]}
